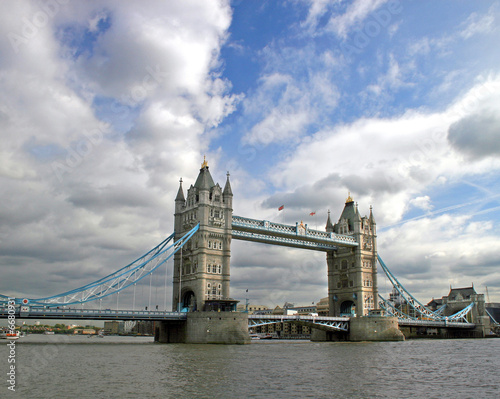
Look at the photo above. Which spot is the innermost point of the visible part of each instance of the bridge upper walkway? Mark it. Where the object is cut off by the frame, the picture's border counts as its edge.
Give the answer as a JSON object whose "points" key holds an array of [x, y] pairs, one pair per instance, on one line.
{"points": [[298, 236]]}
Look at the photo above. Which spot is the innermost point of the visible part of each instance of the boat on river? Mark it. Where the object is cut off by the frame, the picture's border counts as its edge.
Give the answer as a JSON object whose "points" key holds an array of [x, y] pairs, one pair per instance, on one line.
{"points": [[261, 336], [8, 334]]}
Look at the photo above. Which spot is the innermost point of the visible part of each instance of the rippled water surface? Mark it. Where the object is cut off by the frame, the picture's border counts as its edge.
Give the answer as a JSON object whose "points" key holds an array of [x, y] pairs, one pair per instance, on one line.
{"points": [[127, 367]]}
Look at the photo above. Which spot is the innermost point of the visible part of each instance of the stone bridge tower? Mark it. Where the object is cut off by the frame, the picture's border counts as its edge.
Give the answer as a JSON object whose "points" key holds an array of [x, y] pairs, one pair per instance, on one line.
{"points": [[202, 269], [352, 272]]}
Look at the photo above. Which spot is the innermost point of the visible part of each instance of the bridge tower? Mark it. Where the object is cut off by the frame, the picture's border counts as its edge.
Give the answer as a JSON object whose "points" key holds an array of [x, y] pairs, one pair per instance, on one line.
{"points": [[202, 269], [352, 272]]}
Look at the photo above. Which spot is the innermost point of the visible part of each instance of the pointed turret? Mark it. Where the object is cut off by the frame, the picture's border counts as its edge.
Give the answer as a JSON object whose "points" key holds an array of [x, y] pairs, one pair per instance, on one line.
{"points": [[227, 188], [372, 219], [204, 180], [180, 193], [356, 213], [329, 225], [180, 203], [350, 213]]}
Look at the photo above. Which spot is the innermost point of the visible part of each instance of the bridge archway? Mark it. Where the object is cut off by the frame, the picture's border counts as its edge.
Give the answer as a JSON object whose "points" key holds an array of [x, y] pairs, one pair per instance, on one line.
{"points": [[188, 302], [347, 308]]}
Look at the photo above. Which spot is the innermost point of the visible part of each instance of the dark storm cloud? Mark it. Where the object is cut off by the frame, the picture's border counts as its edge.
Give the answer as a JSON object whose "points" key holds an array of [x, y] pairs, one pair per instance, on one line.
{"points": [[331, 191], [321, 194], [482, 265], [112, 197], [478, 135], [374, 185]]}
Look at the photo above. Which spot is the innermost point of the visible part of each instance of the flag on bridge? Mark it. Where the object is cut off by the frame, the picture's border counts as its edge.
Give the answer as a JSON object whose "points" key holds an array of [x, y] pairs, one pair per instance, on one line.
{"points": [[312, 214], [281, 208]]}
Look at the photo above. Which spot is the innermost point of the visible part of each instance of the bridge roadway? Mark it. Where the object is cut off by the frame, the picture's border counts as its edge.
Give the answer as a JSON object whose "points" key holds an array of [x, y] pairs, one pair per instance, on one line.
{"points": [[94, 314], [298, 236], [322, 322], [342, 323]]}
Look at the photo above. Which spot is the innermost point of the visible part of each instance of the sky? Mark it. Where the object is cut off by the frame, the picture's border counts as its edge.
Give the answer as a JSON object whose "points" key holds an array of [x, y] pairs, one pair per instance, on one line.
{"points": [[105, 105]]}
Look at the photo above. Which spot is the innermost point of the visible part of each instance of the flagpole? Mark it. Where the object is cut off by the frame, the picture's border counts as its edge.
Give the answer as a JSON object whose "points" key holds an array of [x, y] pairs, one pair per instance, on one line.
{"points": [[282, 208], [315, 218]]}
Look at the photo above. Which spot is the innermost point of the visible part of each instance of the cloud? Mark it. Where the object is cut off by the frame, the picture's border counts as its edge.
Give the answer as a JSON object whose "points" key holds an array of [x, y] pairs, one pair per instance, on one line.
{"points": [[296, 91], [448, 249], [274, 275], [100, 114], [104, 106], [393, 79], [477, 135], [393, 163], [478, 24], [423, 202], [341, 20], [355, 13], [316, 10]]}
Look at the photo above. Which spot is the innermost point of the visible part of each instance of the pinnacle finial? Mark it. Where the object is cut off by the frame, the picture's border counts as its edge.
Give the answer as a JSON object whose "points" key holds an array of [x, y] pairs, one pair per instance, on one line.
{"points": [[349, 198], [205, 163]]}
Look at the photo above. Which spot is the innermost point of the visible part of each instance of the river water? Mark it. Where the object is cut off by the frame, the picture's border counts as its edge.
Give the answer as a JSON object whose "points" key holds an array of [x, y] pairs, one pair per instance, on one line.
{"points": [[135, 367]]}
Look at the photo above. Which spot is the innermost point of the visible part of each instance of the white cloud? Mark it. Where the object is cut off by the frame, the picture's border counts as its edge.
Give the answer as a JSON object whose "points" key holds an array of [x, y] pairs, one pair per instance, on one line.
{"points": [[430, 254], [84, 197], [292, 96], [356, 13], [422, 202], [391, 163], [160, 86], [394, 79], [476, 24]]}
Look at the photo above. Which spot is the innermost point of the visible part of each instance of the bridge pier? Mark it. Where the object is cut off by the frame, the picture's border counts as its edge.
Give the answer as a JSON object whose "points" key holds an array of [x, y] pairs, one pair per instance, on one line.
{"points": [[375, 328], [366, 328], [205, 328], [328, 336], [413, 332]]}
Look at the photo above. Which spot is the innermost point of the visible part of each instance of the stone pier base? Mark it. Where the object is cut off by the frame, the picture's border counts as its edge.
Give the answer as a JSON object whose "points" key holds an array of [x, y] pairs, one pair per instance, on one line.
{"points": [[374, 328], [368, 328], [205, 328], [318, 335]]}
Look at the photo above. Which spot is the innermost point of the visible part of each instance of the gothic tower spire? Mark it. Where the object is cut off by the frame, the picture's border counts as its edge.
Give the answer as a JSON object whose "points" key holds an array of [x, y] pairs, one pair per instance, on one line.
{"points": [[180, 193], [202, 267], [329, 225]]}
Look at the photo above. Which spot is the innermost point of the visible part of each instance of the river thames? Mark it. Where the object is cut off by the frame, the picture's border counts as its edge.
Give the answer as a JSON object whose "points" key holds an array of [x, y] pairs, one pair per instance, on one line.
{"points": [[135, 367]]}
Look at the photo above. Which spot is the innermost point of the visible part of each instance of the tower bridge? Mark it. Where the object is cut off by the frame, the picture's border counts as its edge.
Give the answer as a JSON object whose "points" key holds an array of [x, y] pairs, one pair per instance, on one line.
{"points": [[202, 271], [202, 308]]}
